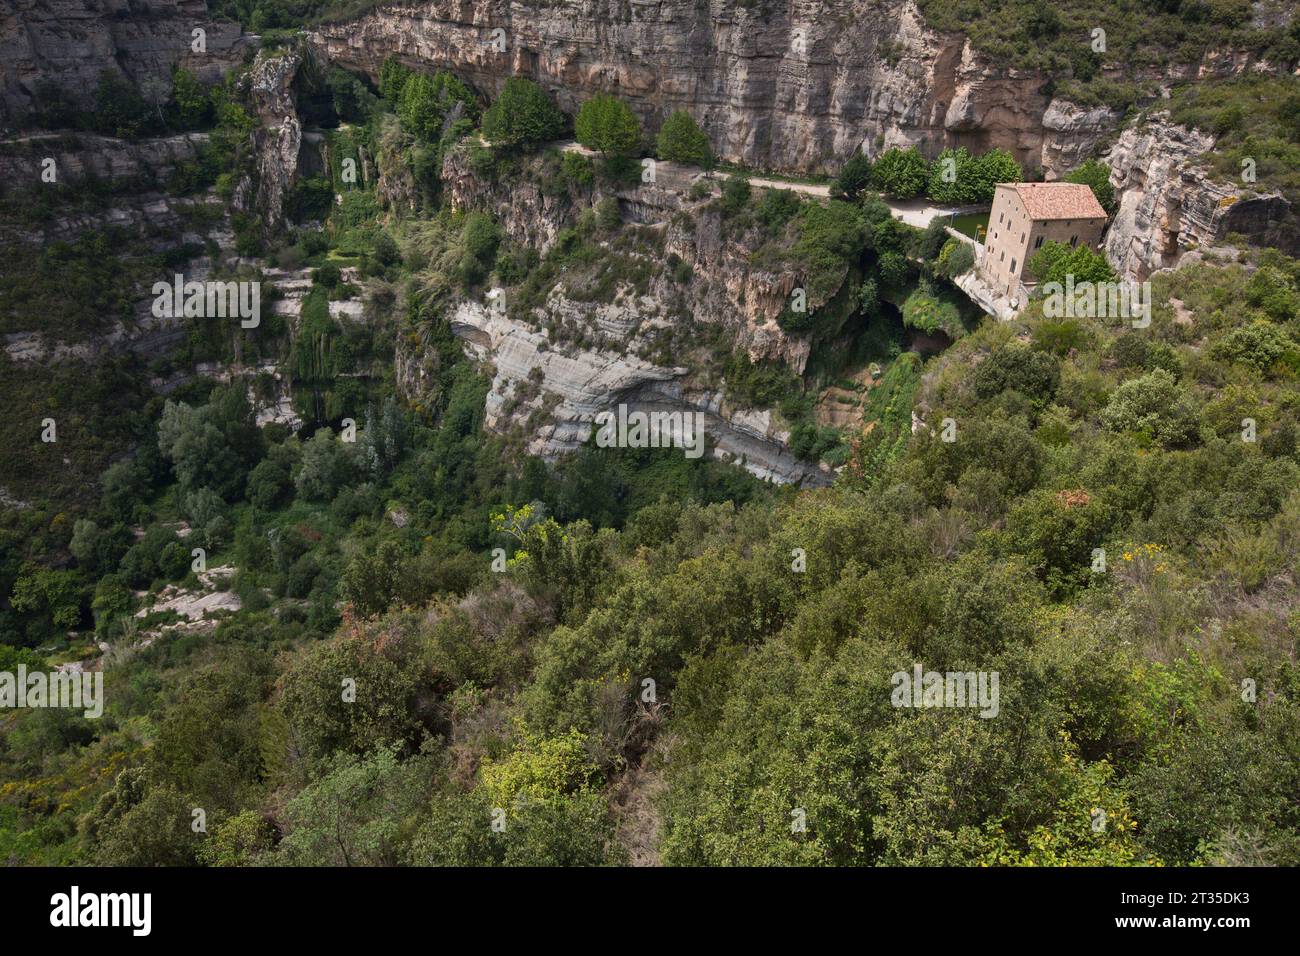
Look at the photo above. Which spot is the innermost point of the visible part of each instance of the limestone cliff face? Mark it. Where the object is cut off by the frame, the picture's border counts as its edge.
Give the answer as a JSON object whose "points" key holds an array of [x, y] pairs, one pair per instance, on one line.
{"points": [[794, 87], [81, 156], [69, 43], [1167, 206]]}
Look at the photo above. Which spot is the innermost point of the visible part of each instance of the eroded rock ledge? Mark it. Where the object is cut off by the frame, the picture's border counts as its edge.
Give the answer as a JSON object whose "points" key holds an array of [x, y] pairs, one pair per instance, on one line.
{"points": [[554, 395], [1168, 206]]}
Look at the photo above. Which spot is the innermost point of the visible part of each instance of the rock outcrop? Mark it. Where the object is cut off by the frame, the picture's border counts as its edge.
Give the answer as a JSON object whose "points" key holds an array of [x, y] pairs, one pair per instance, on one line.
{"points": [[1071, 134], [726, 288], [277, 140], [553, 394], [1167, 205]]}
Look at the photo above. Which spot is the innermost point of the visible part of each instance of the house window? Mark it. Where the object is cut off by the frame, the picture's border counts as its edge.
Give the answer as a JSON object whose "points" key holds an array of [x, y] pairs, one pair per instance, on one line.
{"points": [[1003, 257], [1022, 238], [1000, 215], [1013, 266], [1074, 240], [1038, 242]]}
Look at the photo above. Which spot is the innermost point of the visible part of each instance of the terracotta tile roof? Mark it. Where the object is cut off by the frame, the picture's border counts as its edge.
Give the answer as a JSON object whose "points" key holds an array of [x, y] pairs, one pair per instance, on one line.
{"points": [[1058, 200]]}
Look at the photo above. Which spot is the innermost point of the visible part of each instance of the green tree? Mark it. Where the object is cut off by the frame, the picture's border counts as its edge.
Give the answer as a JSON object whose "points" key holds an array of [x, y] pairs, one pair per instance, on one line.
{"points": [[125, 484], [213, 445], [393, 75], [522, 117], [952, 177], [373, 580], [606, 124], [326, 467], [87, 543], [120, 110], [112, 601], [901, 174], [994, 167], [868, 297], [1096, 176], [854, 177], [1034, 374], [935, 237], [1152, 403], [381, 681], [53, 595], [141, 822], [427, 100], [192, 100], [680, 140], [1262, 346], [736, 193], [268, 485], [356, 813]]}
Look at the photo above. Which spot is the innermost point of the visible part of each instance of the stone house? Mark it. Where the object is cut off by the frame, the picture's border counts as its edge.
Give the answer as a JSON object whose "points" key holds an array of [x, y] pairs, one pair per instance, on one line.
{"points": [[1026, 215]]}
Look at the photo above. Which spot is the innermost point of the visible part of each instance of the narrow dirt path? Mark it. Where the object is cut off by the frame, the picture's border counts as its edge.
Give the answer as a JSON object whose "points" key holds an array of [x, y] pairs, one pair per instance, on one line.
{"points": [[914, 212]]}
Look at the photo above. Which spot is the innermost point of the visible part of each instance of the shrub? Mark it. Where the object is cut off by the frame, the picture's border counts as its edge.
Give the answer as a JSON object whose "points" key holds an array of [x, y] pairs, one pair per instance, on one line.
{"points": [[1260, 345], [192, 101], [1030, 372], [577, 169], [735, 195], [960, 259], [1059, 337], [777, 207], [328, 275], [1152, 404], [1055, 261], [926, 311]]}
